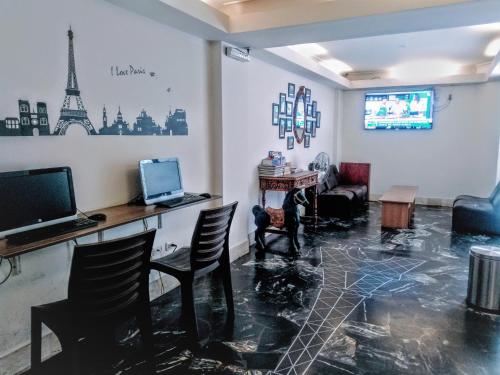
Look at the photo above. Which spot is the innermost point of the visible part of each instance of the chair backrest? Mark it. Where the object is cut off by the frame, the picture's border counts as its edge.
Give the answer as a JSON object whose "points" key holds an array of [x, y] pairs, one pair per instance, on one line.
{"points": [[355, 174], [110, 277], [495, 196], [211, 236]]}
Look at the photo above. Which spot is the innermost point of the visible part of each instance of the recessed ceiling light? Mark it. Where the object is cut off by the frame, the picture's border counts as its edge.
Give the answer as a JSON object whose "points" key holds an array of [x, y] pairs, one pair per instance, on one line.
{"points": [[487, 27], [492, 48], [310, 49], [425, 69], [234, 2], [336, 66], [496, 71]]}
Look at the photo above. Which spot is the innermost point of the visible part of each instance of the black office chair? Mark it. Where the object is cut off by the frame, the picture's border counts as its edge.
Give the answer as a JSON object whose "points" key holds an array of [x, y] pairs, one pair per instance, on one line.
{"points": [[209, 250], [109, 282]]}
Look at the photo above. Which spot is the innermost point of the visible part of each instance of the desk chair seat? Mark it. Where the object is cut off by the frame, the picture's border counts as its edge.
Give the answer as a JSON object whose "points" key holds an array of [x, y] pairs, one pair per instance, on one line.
{"points": [[109, 283], [209, 250]]}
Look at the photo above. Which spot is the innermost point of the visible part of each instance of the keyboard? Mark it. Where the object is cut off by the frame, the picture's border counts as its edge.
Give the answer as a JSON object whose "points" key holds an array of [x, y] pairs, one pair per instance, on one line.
{"points": [[50, 231], [186, 199]]}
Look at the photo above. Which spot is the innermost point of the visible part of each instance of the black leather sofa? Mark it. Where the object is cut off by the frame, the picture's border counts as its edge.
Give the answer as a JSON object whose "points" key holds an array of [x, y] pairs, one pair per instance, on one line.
{"points": [[342, 192], [477, 215]]}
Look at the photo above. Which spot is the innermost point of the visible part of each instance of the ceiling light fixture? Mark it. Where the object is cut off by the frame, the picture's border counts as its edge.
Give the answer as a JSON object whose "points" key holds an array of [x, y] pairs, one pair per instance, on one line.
{"points": [[496, 71], [425, 69], [309, 50], [336, 66], [486, 27], [492, 48]]}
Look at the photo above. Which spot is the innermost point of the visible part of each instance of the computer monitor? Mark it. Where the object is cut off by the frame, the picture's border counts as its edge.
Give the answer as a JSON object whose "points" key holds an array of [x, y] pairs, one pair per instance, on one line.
{"points": [[160, 179], [35, 198]]}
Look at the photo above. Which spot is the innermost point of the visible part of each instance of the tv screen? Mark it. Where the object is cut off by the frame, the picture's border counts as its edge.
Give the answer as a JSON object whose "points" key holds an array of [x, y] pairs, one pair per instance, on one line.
{"points": [[399, 110]]}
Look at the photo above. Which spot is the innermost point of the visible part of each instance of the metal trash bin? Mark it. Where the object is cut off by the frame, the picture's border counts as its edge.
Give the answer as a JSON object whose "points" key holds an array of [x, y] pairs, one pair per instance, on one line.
{"points": [[484, 279]]}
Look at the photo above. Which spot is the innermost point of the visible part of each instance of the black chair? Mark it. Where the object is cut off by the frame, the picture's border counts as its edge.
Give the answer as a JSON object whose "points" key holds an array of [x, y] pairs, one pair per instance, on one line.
{"points": [[477, 215], [209, 250], [108, 283]]}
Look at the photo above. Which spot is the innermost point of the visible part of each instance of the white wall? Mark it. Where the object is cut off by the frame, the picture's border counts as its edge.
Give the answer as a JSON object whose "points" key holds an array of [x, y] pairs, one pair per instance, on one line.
{"points": [[458, 156], [33, 66], [248, 91]]}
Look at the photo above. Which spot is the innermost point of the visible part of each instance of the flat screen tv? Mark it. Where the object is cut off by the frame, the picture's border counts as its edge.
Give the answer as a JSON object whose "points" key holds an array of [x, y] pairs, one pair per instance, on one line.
{"points": [[399, 110]]}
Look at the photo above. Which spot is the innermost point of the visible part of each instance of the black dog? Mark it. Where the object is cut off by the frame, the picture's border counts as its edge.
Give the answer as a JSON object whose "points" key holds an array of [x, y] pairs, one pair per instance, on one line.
{"points": [[291, 220]]}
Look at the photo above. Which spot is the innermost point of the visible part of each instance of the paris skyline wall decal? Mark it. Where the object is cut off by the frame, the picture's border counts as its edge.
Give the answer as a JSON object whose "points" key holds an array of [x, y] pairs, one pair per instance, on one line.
{"points": [[36, 121]]}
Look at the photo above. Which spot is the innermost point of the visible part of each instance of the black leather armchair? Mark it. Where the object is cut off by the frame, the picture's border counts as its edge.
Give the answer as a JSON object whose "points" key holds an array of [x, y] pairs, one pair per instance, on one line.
{"points": [[477, 215]]}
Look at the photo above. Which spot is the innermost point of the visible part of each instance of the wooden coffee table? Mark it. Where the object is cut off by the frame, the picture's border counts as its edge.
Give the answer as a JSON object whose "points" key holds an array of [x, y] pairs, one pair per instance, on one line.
{"points": [[398, 205]]}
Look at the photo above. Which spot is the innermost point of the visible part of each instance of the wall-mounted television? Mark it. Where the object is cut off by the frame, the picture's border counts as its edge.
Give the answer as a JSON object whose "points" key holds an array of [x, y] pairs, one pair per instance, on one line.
{"points": [[399, 110]]}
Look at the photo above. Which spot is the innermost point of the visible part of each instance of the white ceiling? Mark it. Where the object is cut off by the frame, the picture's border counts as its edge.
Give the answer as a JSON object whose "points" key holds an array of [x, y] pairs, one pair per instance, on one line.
{"points": [[465, 46], [368, 35], [234, 7]]}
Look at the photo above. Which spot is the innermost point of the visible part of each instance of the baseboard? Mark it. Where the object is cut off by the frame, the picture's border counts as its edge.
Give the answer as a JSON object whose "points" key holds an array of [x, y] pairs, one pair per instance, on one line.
{"points": [[17, 360], [239, 250], [441, 202]]}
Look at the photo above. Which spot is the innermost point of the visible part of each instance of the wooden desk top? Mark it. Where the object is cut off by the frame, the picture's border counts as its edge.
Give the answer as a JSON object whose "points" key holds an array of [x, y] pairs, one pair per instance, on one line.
{"points": [[291, 176], [115, 216], [400, 194]]}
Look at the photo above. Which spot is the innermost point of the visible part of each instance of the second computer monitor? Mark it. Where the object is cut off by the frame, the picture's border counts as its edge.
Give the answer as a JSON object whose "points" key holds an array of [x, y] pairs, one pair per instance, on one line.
{"points": [[160, 180]]}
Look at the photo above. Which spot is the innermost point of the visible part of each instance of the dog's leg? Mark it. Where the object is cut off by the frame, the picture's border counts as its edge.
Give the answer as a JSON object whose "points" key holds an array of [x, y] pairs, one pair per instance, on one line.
{"points": [[260, 243], [292, 248]]}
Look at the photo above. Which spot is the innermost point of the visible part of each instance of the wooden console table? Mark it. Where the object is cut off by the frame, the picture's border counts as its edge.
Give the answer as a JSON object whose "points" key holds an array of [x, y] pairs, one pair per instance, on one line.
{"points": [[287, 182], [398, 205], [115, 216]]}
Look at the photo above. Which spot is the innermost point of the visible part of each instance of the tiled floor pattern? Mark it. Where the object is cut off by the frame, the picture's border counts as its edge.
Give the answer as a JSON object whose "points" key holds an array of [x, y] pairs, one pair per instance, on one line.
{"points": [[347, 282]]}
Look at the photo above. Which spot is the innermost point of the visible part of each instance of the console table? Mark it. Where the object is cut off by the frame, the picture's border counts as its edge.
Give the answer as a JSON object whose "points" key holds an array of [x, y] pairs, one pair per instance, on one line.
{"points": [[287, 182]]}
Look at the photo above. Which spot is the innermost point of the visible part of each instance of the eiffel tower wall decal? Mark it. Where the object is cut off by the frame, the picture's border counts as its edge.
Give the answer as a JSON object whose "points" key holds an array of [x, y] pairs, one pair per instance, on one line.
{"points": [[36, 121], [72, 111]]}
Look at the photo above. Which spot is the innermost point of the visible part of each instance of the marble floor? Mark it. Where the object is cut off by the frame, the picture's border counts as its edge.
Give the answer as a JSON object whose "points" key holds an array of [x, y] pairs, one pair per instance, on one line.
{"points": [[359, 301]]}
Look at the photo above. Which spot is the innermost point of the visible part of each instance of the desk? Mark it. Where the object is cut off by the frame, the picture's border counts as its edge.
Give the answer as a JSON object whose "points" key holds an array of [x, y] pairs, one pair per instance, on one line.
{"points": [[116, 216], [300, 180]]}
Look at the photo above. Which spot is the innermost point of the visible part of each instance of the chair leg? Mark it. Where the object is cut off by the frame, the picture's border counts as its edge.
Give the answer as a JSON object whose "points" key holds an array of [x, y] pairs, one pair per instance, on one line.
{"points": [[36, 343], [188, 308], [228, 288], [146, 326], [74, 357]]}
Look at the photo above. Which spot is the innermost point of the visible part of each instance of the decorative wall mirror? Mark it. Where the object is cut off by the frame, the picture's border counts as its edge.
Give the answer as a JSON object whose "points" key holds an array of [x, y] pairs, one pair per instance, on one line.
{"points": [[299, 115]]}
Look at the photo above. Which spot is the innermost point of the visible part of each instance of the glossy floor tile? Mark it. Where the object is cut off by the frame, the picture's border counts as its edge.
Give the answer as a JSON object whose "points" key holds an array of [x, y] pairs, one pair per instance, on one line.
{"points": [[358, 301]]}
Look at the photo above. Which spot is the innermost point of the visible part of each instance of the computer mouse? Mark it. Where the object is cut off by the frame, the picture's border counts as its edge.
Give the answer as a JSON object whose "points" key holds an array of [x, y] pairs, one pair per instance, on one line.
{"points": [[205, 195], [98, 217]]}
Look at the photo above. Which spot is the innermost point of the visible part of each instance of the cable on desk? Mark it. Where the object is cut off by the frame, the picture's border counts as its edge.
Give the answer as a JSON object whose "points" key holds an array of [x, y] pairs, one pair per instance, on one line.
{"points": [[83, 213], [145, 223], [75, 241], [10, 271]]}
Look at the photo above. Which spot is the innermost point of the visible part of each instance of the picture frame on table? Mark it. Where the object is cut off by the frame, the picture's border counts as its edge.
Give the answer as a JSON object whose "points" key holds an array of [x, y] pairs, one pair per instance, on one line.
{"points": [[314, 108], [289, 109], [289, 125], [290, 142], [307, 141], [309, 126], [313, 130], [318, 119], [276, 114], [308, 96], [309, 110], [291, 90], [282, 128], [282, 103]]}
